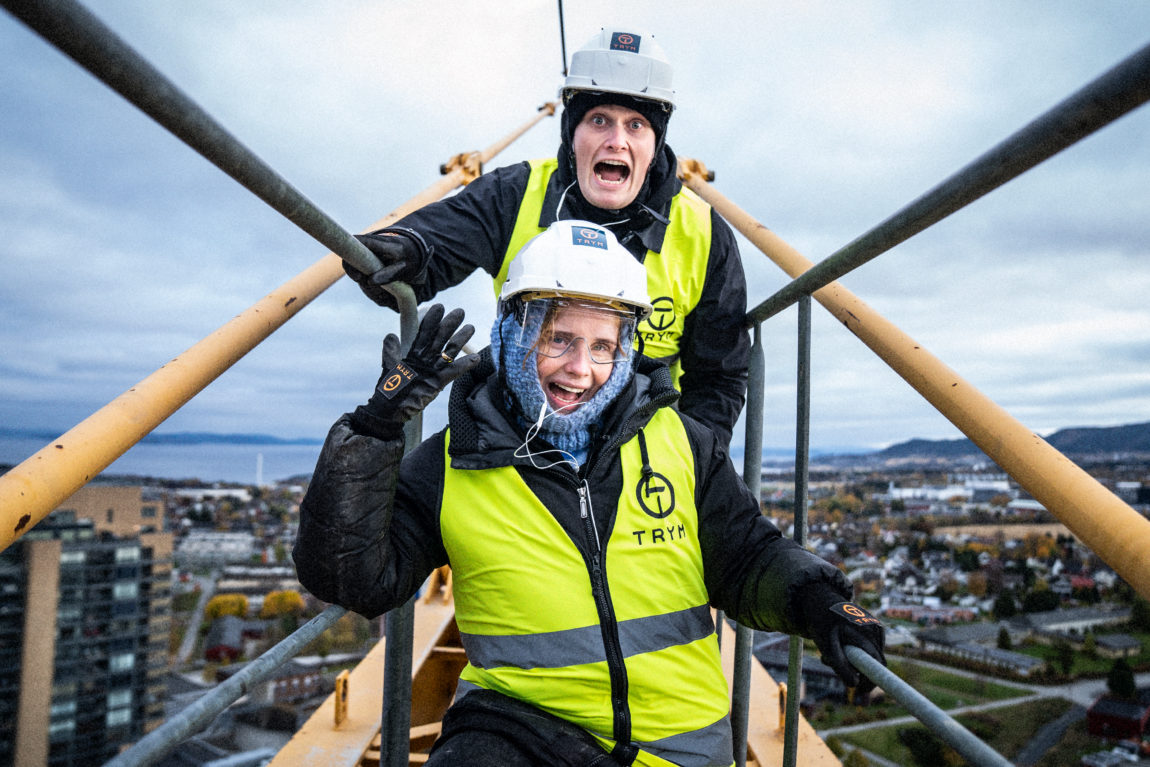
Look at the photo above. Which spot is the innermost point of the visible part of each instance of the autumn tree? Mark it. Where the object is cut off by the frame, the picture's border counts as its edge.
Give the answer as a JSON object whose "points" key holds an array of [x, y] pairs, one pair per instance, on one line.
{"points": [[976, 584], [226, 604], [279, 603]]}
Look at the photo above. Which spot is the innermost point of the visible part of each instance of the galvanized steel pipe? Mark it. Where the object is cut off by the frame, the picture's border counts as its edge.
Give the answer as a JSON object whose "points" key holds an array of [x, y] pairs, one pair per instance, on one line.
{"points": [[1101, 520], [936, 720], [31, 490], [1123, 88], [753, 479], [164, 739], [75, 31]]}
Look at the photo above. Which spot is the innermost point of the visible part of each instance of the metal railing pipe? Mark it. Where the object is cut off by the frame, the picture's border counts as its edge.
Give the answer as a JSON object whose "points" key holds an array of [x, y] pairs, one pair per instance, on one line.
{"points": [[399, 623], [1123, 88], [802, 464], [962, 740], [164, 739], [461, 174], [753, 479], [1101, 520], [30, 491], [76, 32]]}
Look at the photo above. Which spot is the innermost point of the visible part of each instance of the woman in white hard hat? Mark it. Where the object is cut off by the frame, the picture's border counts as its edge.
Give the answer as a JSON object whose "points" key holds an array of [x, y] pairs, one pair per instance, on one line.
{"points": [[590, 527], [615, 170]]}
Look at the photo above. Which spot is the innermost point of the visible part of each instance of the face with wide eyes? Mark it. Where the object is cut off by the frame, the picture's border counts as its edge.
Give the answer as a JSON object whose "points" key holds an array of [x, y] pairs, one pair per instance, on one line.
{"points": [[614, 147], [569, 345]]}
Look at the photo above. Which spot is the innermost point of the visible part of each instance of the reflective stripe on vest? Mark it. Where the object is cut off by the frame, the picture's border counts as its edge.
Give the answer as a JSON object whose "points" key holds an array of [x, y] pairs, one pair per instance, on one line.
{"points": [[675, 274], [528, 618]]}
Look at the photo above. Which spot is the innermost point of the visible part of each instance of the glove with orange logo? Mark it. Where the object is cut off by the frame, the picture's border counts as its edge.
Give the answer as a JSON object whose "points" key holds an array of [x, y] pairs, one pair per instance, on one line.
{"points": [[407, 386], [835, 623]]}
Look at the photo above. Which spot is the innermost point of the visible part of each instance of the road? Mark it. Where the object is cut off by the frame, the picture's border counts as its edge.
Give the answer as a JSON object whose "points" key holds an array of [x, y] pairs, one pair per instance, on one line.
{"points": [[1081, 693], [207, 590]]}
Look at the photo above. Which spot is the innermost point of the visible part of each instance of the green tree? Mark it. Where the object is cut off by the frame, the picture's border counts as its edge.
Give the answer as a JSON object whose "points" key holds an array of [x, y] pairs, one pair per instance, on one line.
{"points": [[1090, 646], [856, 759], [1004, 606], [1040, 600], [1004, 642], [1120, 680], [1063, 655], [1140, 615]]}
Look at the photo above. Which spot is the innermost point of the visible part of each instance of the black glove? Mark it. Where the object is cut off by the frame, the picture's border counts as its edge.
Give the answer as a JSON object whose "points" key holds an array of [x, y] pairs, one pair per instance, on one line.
{"points": [[404, 256], [835, 623], [406, 387]]}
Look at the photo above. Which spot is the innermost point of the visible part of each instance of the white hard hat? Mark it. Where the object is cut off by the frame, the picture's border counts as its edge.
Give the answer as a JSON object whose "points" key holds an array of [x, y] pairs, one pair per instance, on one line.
{"points": [[578, 259], [615, 61]]}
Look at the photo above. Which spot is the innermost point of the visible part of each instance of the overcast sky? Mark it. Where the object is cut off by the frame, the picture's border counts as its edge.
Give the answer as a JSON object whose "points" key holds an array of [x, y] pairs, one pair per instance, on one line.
{"points": [[121, 247]]}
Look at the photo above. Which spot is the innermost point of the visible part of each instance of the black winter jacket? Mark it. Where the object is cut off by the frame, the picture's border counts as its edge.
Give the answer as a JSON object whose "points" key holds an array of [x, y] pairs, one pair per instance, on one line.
{"points": [[369, 525], [472, 229]]}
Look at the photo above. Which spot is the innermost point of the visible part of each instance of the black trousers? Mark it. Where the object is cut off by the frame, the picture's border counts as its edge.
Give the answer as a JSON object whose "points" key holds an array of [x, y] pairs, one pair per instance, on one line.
{"points": [[486, 729]]}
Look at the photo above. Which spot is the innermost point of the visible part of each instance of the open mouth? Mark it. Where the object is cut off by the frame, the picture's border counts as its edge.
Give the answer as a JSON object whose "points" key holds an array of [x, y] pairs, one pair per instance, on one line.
{"points": [[612, 172], [564, 396]]}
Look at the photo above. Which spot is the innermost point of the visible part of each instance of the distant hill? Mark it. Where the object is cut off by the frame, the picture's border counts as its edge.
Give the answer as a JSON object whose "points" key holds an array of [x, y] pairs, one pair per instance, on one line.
{"points": [[1084, 440]]}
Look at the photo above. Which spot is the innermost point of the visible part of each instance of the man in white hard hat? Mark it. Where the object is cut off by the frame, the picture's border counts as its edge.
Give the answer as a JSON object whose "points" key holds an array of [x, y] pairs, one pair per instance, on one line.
{"points": [[613, 169]]}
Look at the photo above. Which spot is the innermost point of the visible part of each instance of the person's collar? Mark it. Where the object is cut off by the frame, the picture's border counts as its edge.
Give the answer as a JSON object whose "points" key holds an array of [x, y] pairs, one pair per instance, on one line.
{"points": [[649, 215]]}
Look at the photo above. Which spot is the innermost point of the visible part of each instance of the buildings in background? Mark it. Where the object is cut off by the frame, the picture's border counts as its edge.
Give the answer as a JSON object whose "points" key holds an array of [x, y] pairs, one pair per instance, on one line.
{"points": [[84, 629]]}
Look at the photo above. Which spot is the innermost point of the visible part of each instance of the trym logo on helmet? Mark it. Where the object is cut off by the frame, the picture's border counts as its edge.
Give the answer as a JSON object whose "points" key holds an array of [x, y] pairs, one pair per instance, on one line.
{"points": [[577, 259], [656, 495], [625, 41], [621, 62], [591, 238]]}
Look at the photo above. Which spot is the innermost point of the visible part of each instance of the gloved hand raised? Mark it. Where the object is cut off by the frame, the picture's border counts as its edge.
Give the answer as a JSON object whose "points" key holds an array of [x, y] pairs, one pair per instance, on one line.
{"points": [[408, 385], [835, 623], [404, 256]]}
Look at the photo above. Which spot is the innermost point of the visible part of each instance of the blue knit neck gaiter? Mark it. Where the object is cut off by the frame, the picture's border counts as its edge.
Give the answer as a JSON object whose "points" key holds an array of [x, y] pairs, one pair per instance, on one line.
{"points": [[568, 431]]}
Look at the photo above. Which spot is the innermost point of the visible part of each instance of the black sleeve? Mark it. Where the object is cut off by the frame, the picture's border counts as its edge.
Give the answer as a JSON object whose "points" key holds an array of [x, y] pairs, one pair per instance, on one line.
{"points": [[753, 573], [469, 230], [716, 345], [369, 530]]}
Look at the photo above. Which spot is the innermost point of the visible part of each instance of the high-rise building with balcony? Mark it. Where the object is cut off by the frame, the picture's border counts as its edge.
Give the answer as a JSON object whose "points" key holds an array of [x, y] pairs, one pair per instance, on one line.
{"points": [[84, 625]]}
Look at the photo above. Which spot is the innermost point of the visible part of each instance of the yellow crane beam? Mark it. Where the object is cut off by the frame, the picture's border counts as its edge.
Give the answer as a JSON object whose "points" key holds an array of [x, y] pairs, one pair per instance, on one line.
{"points": [[32, 489], [1100, 519]]}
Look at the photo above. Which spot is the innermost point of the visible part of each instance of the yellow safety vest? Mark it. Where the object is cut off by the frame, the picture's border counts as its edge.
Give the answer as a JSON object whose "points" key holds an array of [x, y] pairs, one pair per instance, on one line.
{"points": [[675, 274], [527, 614]]}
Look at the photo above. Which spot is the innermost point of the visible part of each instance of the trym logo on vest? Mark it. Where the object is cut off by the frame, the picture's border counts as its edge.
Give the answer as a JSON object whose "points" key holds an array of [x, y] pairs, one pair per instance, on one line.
{"points": [[662, 314], [656, 495]]}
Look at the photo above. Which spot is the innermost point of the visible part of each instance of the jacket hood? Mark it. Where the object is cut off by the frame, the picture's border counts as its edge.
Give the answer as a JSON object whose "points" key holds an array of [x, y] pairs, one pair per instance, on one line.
{"points": [[485, 433]]}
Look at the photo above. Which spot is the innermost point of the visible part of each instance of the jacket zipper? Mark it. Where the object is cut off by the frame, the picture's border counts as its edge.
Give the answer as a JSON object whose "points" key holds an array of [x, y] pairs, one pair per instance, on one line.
{"points": [[614, 651]]}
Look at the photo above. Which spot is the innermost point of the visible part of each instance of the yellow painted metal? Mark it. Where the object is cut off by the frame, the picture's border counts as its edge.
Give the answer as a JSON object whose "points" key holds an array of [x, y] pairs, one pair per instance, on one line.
{"points": [[764, 740], [340, 696], [318, 743], [1101, 520], [32, 489]]}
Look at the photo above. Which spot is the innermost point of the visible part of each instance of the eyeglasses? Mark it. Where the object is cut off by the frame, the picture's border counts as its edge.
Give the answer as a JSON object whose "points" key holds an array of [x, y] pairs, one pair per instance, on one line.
{"points": [[600, 351], [552, 326]]}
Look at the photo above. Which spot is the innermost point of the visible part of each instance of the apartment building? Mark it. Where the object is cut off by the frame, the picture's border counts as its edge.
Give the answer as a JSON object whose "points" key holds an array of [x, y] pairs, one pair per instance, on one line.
{"points": [[84, 624]]}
